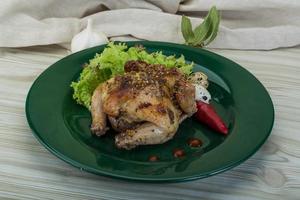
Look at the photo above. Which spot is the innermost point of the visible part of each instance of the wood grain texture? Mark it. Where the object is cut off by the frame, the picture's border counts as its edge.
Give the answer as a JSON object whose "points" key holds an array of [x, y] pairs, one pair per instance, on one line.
{"points": [[29, 171]]}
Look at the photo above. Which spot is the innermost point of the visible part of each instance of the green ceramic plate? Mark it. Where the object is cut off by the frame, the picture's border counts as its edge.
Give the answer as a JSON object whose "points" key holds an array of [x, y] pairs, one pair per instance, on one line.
{"points": [[62, 126]]}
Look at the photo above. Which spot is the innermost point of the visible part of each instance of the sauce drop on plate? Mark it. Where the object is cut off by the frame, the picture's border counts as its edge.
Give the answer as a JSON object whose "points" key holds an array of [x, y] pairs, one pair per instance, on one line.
{"points": [[194, 142], [178, 153], [153, 158]]}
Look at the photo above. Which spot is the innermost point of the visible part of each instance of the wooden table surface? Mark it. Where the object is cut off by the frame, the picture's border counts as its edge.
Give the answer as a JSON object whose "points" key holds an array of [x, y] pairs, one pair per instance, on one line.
{"points": [[29, 171]]}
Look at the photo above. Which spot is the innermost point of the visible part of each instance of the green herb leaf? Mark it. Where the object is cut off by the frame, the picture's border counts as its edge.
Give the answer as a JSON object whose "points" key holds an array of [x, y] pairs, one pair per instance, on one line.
{"points": [[203, 34], [203, 31], [216, 19], [186, 29]]}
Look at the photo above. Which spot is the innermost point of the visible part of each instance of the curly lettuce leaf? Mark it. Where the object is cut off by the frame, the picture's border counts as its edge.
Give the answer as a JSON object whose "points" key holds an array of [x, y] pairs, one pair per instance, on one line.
{"points": [[111, 62], [89, 79]]}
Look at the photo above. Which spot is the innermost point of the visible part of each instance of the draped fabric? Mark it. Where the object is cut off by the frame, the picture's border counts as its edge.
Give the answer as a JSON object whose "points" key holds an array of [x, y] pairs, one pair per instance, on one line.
{"points": [[256, 24]]}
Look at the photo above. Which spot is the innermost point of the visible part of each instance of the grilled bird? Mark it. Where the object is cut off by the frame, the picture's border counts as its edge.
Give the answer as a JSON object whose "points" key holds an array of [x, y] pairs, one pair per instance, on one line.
{"points": [[145, 105]]}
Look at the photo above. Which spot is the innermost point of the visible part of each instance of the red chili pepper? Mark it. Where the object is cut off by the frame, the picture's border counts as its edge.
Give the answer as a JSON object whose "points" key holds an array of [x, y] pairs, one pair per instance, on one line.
{"points": [[207, 115]]}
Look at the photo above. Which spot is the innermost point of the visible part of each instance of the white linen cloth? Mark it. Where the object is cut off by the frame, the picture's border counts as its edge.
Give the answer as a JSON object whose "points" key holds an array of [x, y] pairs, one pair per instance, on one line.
{"points": [[256, 24]]}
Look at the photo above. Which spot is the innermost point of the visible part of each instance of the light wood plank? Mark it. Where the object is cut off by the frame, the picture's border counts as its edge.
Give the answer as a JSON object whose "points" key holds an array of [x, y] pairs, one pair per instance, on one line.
{"points": [[29, 171]]}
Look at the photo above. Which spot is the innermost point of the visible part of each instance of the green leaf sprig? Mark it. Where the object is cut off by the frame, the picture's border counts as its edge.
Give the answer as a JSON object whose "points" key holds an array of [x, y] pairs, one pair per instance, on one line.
{"points": [[203, 34]]}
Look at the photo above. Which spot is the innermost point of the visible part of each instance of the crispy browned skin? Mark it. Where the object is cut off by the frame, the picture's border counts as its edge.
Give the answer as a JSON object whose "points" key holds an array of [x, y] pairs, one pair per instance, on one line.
{"points": [[144, 134], [176, 82], [98, 126], [146, 103]]}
